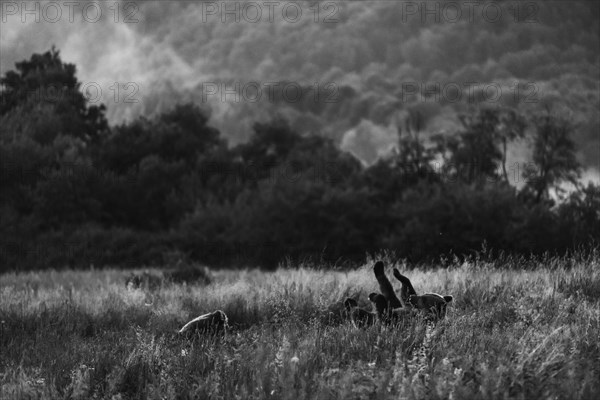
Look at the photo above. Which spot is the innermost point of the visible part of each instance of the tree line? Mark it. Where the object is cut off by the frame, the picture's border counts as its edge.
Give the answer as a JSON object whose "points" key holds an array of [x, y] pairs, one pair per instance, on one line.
{"points": [[77, 192]]}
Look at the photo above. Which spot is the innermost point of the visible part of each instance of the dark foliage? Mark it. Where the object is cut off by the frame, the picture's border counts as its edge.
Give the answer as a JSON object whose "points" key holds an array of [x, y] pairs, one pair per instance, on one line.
{"points": [[76, 192]]}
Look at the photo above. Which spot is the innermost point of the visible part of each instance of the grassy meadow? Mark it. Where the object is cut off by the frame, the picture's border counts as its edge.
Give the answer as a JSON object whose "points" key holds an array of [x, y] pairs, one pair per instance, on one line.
{"points": [[522, 329]]}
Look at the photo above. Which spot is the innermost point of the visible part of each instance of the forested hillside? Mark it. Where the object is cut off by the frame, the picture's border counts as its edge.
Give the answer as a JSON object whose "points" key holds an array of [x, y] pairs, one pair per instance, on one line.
{"points": [[368, 60], [78, 191]]}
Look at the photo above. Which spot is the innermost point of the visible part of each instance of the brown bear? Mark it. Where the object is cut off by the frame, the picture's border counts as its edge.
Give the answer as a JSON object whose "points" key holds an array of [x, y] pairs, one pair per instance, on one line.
{"points": [[431, 303], [385, 314], [388, 290]]}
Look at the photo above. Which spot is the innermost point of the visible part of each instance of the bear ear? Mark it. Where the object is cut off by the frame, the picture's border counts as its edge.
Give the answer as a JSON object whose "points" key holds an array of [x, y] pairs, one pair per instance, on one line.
{"points": [[448, 299]]}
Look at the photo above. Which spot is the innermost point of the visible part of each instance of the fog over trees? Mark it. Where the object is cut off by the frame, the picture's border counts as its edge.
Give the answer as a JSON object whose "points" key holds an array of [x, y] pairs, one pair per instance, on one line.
{"points": [[367, 59]]}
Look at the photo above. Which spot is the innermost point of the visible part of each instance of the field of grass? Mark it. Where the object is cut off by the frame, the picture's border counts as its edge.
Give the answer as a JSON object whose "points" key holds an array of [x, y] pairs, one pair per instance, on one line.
{"points": [[511, 332]]}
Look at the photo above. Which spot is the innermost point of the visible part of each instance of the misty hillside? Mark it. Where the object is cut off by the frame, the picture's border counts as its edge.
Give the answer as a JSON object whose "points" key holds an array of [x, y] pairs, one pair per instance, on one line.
{"points": [[369, 60]]}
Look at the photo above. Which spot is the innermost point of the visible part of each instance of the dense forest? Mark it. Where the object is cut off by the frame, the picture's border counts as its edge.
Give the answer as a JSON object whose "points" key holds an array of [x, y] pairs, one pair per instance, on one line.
{"points": [[78, 191]]}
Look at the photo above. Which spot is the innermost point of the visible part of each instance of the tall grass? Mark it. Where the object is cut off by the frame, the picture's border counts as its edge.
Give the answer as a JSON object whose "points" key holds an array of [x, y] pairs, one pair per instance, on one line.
{"points": [[510, 333]]}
